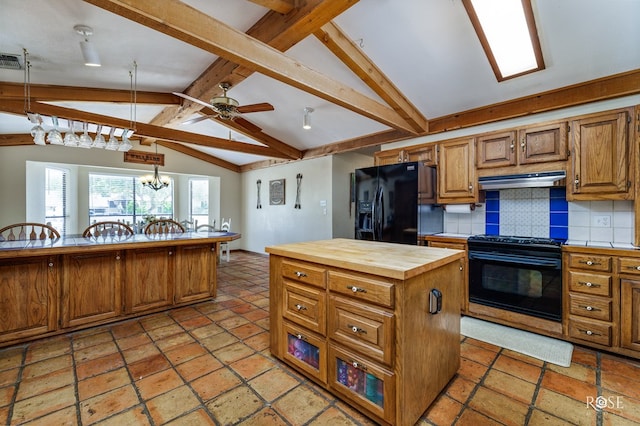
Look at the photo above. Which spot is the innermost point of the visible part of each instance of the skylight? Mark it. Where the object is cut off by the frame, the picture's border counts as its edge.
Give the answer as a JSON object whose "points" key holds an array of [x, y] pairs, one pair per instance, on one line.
{"points": [[507, 32]]}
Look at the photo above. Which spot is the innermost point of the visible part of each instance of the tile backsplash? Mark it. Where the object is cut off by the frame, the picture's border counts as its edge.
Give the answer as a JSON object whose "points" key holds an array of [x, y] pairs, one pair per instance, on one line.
{"points": [[545, 212]]}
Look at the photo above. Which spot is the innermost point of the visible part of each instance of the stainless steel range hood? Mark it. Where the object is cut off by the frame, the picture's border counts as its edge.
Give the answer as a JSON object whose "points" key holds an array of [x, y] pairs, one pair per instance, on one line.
{"points": [[527, 180]]}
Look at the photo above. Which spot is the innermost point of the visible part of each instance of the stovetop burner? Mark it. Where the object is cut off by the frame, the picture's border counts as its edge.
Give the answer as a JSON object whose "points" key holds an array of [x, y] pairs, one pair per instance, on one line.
{"points": [[513, 239]]}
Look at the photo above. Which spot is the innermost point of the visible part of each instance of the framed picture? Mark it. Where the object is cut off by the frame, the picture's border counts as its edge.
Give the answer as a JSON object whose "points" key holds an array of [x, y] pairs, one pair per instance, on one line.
{"points": [[276, 192]]}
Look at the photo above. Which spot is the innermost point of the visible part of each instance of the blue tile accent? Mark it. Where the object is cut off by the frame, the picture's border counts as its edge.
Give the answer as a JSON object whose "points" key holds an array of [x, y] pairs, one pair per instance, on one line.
{"points": [[492, 229], [492, 218], [558, 205], [558, 219], [559, 232], [492, 195], [557, 193], [492, 205], [492, 213]]}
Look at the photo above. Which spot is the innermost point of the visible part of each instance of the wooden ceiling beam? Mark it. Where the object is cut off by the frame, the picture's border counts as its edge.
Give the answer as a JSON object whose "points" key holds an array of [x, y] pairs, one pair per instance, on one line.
{"points": [[50, 93], [141, 129], [185, 23], [192, 152], [7, 139], [353, 57], [280, 6]]}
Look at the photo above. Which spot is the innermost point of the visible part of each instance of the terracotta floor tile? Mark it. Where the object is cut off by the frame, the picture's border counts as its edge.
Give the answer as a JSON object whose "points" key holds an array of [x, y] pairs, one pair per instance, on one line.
{"points": [[584, 356], [48, 348], [234, 405], [251, 366], [480, 343], [443, 411], [540, 418], [9, 377], [470, 417], [42, 404], [220, 315], [106, 382], [166, 331], [245, 331], [66, 417], [499, 407], [46, 366], [159, 383], [198, 367], [513, 387], [233, 322], [300, 405], [174, 341], [140, 352], [184, 353], [566, 408], [156, 321], [258, 342], [133, 416], [233, 352], [472, 370], [256, 314], [215, 383], [518, 368], [6, 395], [460, 388], [94, 339], [477, 354], [576, 371], [148, 366], [172, 404], [334, 417], [184, 313], [522, 357], [11, 358], [45, 383], [202, 333], [95, 351], [107, 404], [568, 386], [627, 384], [198, 417], [268, 416], [273, 384], [100, 365], [126, 329], [195, 322], [620, 406], [264, 323]]}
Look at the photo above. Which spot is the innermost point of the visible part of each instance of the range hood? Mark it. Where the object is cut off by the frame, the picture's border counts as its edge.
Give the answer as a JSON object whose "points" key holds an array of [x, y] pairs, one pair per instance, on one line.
{"points": [[526, 180]]}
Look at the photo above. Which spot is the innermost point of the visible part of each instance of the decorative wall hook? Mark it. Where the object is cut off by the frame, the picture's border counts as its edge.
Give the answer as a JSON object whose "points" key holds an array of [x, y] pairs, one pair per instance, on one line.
{"points": [[258, 183], [299, 182]]}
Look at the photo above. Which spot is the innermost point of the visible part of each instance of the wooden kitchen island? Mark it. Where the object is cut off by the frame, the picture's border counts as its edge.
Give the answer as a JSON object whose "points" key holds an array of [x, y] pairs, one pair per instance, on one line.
{"points": [[376, 324], [50, 286]]}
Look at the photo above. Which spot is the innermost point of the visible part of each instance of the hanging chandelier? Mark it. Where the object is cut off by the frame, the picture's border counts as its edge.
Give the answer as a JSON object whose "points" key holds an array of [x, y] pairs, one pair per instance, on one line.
{"points": [[155, 181]]}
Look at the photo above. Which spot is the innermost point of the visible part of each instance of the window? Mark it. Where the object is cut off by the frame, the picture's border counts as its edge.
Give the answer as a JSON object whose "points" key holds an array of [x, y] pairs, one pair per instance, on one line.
{"points": [[123, 198], [199, 200], [56, 198], [508, 34]]}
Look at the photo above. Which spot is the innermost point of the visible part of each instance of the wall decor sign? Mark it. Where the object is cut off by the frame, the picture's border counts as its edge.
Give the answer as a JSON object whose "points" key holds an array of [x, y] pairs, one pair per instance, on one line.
{"points": [[144, 157], [276, 192]]}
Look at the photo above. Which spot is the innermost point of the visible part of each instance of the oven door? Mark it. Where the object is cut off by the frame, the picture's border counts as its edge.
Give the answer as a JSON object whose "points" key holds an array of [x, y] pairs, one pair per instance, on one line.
{"points": [[527, 284]]}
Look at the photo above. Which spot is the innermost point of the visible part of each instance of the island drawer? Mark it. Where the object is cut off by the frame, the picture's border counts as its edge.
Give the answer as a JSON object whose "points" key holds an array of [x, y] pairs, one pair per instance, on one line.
{"points": [[304, 272], [305, 305], [592, 307], [591, 331], [305, 350], [629, 265], [363, 328], [365, 383], [585, 282], [363, 288], [590, 262]]}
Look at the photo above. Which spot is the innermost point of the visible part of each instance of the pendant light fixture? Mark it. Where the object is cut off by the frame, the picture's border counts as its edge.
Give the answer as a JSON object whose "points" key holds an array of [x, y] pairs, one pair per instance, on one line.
{"points": [[155, 181], [89, 52], [306, 118]]}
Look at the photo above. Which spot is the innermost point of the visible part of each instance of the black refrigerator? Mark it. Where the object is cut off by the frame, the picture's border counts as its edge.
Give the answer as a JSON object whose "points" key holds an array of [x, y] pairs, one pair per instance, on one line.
{"points": [[387, 203]]}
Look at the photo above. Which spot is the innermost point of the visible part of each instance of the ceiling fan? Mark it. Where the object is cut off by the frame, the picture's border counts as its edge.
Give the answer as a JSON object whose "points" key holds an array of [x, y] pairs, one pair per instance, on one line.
{"points": [[224, 107]]}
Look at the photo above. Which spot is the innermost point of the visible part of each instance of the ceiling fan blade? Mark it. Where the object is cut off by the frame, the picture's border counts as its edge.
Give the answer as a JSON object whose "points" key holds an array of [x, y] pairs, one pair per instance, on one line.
{"points": [[255, 108], [192, 99], [197, 119], [249, 126]]}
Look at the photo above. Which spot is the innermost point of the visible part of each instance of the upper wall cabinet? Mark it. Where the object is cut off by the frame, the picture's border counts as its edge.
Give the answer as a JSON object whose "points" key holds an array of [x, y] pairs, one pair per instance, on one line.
{"points": [[531, 145], [425, 154], [456, 172], [602, 163]]}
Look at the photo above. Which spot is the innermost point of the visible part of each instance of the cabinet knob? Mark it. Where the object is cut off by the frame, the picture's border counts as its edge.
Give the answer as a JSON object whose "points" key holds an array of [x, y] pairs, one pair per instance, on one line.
{"points": [[50, 264], [589, 262], [356, 364], [589, 308], [523, 144], [512, 147], [588, 332], [588, 284], [300, 274], [300, 337], [355, 289], [301, 307], [170, 253], [118, 257], [357, 329]]}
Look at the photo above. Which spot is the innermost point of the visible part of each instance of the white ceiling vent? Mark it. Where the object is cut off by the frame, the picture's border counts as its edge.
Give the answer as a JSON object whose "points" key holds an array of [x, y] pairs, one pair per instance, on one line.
{"points": [[10, 61]]}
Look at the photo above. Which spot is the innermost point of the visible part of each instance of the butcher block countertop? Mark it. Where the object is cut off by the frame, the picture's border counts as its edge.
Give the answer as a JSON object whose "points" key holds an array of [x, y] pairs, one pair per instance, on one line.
{"points": [[399, 261]]}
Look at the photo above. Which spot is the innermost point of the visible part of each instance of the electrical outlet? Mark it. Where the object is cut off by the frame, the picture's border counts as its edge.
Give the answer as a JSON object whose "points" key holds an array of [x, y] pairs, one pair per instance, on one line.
{"points": [[602, 221]]}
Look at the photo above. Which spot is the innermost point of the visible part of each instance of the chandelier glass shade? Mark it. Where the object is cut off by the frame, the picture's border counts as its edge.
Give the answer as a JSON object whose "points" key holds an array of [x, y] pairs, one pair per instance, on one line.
{"points": [[155, 181]]}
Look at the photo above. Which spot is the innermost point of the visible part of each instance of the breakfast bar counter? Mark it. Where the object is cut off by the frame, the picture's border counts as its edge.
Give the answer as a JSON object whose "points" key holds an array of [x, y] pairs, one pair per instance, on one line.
{"points": [[376, 324], [57, 285]]}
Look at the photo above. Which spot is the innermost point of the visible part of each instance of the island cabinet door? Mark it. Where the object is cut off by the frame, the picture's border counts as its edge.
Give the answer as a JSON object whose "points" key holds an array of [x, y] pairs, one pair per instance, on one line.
{"points": [[150, 278], [91, 287], [195, 272], [304, 350], [363, 383], [28, 293]]}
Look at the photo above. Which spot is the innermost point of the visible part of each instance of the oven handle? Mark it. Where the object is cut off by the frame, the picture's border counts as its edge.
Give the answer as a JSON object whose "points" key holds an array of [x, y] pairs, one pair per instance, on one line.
{"points": [[521, 260]]}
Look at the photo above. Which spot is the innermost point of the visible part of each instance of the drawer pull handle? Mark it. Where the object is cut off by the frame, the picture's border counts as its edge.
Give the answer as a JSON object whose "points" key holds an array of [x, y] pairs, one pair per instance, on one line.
{"points": [[635, 268], [356, 364], [589, 333], [300, 274], [590, 262], [589, 308], [588, 284], [357, 329], [300, 337], [301, 307], [355, 289]]}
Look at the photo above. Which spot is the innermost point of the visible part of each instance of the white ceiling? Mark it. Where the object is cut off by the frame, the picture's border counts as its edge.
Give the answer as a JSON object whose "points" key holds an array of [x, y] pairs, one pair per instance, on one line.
{"points": [[427, 48]]}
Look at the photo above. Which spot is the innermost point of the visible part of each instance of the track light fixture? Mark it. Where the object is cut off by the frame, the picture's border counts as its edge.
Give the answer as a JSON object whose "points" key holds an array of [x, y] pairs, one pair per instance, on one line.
{"points": [[306, 118], [89, 52]]}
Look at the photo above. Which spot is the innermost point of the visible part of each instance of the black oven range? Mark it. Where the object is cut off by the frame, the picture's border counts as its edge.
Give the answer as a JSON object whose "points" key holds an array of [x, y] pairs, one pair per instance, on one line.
{"points": [[519, 274]]}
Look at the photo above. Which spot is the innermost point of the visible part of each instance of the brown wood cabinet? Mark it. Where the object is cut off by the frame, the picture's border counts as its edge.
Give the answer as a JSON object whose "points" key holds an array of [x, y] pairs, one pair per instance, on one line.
{"points": [[354, 316], [457, 182], [28, 297], [91, 287], [456, 244], [150, 279], [195, 275], [630, 314], [425, 154], [601, 163]]}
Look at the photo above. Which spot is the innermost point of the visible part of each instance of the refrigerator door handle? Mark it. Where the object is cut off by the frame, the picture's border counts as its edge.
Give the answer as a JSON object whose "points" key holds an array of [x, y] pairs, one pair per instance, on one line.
{"points": [[380, 216]]}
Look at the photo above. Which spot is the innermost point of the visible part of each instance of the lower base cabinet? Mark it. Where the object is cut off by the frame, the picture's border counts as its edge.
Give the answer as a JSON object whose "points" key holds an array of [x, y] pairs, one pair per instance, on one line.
{"points": [[630, 312], [385, 345]]}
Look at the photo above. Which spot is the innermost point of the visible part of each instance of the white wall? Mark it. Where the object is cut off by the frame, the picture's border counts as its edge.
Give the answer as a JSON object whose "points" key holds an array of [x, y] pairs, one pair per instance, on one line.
{"points": [[343, 209]]}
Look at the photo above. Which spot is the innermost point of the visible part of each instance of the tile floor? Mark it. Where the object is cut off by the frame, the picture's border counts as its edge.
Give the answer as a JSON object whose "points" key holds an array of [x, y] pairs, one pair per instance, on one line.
{"points": [[209, 364]]}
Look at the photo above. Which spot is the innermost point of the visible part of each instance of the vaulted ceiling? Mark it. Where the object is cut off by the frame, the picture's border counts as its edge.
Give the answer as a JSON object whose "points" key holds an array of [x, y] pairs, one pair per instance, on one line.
{"points": [[374, 71]]}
